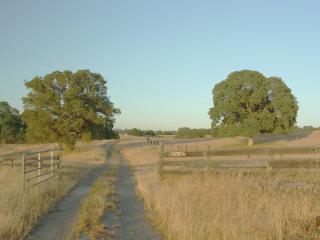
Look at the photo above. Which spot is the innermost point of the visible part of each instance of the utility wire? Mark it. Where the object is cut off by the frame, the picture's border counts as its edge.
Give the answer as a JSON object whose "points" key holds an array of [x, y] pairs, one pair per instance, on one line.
{"points": [[44, 61], [28, 55]]}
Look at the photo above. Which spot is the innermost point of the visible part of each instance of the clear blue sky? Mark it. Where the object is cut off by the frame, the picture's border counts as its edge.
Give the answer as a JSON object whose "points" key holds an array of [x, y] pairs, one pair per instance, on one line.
{"points": [[162, 58]]}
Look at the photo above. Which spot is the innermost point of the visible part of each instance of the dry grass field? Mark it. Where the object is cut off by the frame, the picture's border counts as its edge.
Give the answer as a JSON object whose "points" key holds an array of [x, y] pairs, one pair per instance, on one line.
{"points": [[232, 204], [20, 212], [296, 139]]}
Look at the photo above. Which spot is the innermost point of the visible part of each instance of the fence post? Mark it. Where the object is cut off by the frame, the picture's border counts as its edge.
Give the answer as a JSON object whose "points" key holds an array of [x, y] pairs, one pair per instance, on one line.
{"points": [[51, 162], [269, 160], [212, 153], [186, 150], [23, 177], [161, 156], [268, 165], [39, 166], [60, 170]]}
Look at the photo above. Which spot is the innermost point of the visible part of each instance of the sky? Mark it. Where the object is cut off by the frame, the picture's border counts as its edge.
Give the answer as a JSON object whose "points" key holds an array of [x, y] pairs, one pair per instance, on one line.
{"points": [[162, 58]]}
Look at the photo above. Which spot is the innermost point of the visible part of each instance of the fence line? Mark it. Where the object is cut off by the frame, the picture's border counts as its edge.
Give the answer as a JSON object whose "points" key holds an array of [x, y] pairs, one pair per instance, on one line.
{"points": [[41, 166], [10, 158], [208, 158], [207, 150], [15, 157]]}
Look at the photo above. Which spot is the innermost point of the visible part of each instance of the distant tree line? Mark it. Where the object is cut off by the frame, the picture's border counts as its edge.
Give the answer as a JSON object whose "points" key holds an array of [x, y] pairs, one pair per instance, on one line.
{"points": [[139, 133], [183, 132], [308, 128], [186, 132], [159, 132], [61, 107]]}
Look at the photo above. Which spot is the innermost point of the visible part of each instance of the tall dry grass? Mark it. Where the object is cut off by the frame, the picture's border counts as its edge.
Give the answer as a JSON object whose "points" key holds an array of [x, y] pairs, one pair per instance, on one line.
{"points": [[20, 212], [229, 205]]}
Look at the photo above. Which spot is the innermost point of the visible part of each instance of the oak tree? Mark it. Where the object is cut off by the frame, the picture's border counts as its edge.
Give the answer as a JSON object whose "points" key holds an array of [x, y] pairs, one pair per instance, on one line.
{"points": [[67, 106], [247, 103]]}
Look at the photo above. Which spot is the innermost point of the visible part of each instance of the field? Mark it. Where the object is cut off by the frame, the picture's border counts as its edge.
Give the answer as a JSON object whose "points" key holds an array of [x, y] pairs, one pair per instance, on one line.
{"points": [[277, 198], [19, 212], [232, 204]]}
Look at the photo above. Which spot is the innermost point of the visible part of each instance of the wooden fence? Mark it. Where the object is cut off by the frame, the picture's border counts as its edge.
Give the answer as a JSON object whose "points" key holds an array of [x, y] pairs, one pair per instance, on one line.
{"points": [[9, 159], [191, 150], [41, 166], [180, 159]]}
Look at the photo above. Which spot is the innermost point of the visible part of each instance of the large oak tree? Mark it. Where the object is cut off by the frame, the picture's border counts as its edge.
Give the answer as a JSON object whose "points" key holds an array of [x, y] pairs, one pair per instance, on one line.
{"points": [[247, 103], [67, 106]]}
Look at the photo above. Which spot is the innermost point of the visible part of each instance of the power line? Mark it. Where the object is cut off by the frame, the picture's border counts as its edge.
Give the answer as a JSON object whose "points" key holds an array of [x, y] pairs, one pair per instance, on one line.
{"points": [[28, 55], [49, 64]]}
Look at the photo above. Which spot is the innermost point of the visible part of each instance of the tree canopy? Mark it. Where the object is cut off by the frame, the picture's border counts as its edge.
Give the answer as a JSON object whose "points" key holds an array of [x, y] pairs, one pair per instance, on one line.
{"points": [[247, 103], [66, 107], [12, 128]]}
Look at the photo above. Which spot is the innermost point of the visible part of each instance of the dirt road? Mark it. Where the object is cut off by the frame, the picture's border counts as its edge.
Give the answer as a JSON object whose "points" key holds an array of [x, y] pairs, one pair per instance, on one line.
{"points": [[58, 224], [133, 223]]}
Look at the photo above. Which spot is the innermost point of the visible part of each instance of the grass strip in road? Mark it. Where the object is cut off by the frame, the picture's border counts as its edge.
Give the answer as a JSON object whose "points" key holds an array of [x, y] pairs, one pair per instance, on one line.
{"points": [[96, 204]]}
